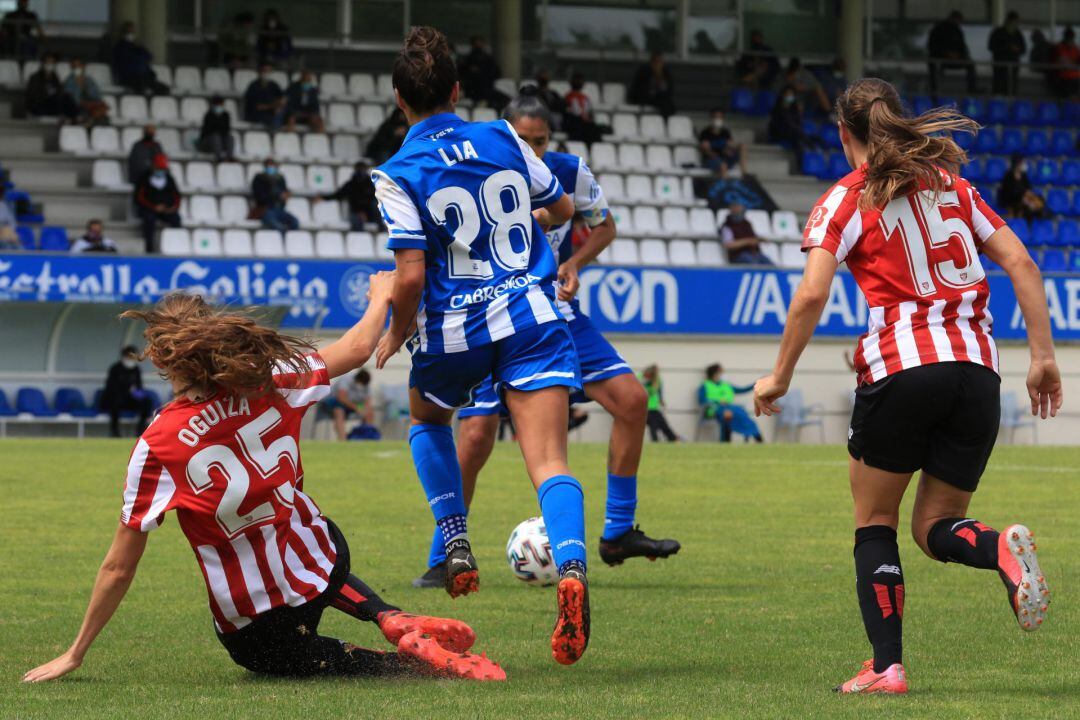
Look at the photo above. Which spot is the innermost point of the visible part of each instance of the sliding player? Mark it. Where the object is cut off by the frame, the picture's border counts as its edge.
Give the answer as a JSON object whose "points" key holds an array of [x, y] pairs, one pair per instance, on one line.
{"points": [[462, 202], [225, 455], [910, 230], [606, 376]]}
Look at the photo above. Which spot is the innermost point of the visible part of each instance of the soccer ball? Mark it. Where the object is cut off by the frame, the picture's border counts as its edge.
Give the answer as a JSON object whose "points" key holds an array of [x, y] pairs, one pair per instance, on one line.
{"points": [[528, 551]]}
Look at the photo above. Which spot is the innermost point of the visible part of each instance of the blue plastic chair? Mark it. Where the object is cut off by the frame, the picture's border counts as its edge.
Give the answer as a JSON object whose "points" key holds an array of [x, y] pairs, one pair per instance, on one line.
{"points": [[974, 108], [32, 400], [814, 163], [54, 239], [742, 101], [26, 237], [995, 169], [830, 135], [1045, 172], [1074, 261], [838, 166], [987, 141], [71, 401], [1012, 141], [1062, 142], [965, 141], [1020, 227], [1042, 233], [1054, 261], [1068, 233], [973, 171], [1075, 209], [763, 103], [988, 264], [997, 111], [1070, 114], [1048, 113], [1023, 112], [1038, 142], [921, 103], [5, 408], [1058, 201], [1070, 172]]}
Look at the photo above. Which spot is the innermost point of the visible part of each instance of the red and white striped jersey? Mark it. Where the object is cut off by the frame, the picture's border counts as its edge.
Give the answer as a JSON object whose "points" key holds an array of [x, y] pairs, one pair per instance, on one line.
{"points": [[230, 467], [917, 262]]}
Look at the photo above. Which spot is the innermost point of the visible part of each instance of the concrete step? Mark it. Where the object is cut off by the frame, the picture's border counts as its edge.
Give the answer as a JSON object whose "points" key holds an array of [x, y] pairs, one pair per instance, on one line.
{"points": [[797, 193]]}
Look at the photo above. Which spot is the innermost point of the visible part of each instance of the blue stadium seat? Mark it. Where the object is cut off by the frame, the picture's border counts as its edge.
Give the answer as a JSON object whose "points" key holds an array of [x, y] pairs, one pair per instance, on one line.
{"points": [[1058, 201], [1012, 141], [1062, 142], [1037, 142], [1075, 209], [155, 399], [995, 169], [1044, 172], [1068, 233], [1042, 233], [974, 108], [26, 237], [814, 163], [1070, 114], [54, 239], [987, 141], [988, 194], [1074, 261], [921, 103], [1020, 227], [964, 140], [1070, 172], [830, 135], [973, 171], [997, 111], [71, 401], [763, 103], [1023, 112], [838, 166], [810, 127], [32, 400], [1054, 261], [742, 101], [1048, 113], [5, 409]]}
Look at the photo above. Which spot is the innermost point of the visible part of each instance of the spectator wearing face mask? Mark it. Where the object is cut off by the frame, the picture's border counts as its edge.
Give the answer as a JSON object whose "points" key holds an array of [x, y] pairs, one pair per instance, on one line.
{"points": [[157, 199], [86, 95], [578, 120], [45, 96], [133, 64], [738, 238], [264, 100], [302, 104], [124, 392], [269, 193], [142, 153], [1015, 193], [93, 240], [215, 137], [719, 152], [359, 194], [785, 123], [274, 44], [653, 85]]}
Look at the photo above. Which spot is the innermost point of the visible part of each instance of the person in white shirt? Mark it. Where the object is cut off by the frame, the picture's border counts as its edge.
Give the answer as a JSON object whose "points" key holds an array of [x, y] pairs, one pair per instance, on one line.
{"points": [[94, 240]]}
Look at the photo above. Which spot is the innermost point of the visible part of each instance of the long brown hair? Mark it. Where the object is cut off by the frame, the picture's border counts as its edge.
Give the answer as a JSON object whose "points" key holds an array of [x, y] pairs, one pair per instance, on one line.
{"points": [[903, 153], [209, 350], [424, 71]]}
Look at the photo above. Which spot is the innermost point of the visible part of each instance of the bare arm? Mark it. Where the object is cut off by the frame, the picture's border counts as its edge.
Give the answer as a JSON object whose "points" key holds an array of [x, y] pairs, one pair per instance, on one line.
{"points": [[556, 213], [355, 347], [803, 316], [408, 290], [113, 580], [600, 237]]}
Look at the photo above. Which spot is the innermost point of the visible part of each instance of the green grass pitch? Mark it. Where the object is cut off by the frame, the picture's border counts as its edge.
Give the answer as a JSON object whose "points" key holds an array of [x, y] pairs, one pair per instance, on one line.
{"points": [[755, 618]]}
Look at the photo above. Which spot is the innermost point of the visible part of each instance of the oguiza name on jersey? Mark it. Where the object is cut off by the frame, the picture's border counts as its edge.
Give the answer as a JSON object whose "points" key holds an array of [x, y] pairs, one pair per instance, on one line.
{"points": [[211, 415], [487, 294], [462, 153]]}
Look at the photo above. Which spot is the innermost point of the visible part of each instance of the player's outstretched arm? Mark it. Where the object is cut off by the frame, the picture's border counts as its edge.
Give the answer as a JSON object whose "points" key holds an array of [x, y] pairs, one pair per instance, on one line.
{"points": [[1044, 378], [356, 346], [600, 237], [408, 289], [556, 213], [803, 317], [113, 580]]}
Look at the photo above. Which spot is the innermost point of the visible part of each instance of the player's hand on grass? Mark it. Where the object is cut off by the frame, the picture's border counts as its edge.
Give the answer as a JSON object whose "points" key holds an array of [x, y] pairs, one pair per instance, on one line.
{"points": [[53, 669], [767, 391], [381, 286], [389, 344], [1044, 388], [568, 281]]}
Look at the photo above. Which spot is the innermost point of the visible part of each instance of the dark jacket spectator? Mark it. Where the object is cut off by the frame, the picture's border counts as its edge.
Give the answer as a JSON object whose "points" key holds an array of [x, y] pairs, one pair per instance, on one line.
{"points": [[124, 392], [264, 100], [758, 67], [388, 137], [302, 103], [1007, 45], [21, 32], [157, 199], [359, 194], [86, 94], [142, 154], [948, 50], [45, 96], [93, 240], [1067, 58], [578, 120], [269, 193], [478, 72], [737, 235], [132, 64], [215, 137], [1015, 194], [653, 85], [274, 44], [556, 104], [785, 123], [806, 86], [719, 152], [234, 41]]}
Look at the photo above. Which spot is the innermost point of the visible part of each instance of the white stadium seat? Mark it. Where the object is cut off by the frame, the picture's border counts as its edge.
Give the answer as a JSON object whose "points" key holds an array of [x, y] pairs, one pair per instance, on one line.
{"points": [[329, 244], [299, 244], [791, 255], [786, 225], [129, 136], [108, 174], [105, 140], [170, 140], [192, 110], [327, 214], [624, 126], [623, 221], [484, 115], [639, 187], [269, 244], [187, 80], [591, 89], [242, 77], [362, 86], [343, 173], [234, 211], [658, 157], [102, 74], [624, 252], [647, 220], [771, 251], [177, 171], [316, 146], [653, 252], [341, 115], [612, 186], [203, 210], [762, 224], [631, 157], [217, 81], [9, 74], [604, 156], [721, 216], [507, 86], [237, 243], [463, 113], [702, 222], [652, 128], [381, 251], [613, 94], [668, 189], [73, 139], [287, 146], [205, 242], [675, 222], [332, 85], [294, 176], [360, 245], [369, 117], [257, 144], [384, 87], [164, 109], [281, 78], [562, 87], [320, 178], [163, 73], [710, 253], [230, 176], [200, 176], [682, 253], [133, 109], [685, 156], [175, 242], [346, 146], [679, 127], [300, 209], [575, 147], [688, 190]]}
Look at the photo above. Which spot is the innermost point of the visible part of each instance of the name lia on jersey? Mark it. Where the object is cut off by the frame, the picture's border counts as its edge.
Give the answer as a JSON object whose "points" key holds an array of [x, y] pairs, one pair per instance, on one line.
{"points": [[462, 153], [210, 416]]}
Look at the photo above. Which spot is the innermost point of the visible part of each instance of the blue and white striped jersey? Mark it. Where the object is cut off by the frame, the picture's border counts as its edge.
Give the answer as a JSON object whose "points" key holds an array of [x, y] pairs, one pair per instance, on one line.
{"points": [[464, 193]]}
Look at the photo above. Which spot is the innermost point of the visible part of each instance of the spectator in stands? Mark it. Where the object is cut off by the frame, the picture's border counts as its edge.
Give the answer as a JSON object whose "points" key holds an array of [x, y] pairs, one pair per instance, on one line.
{"points": [[264, 100], [22, 32], [359, 193], [86, 95], [806, 86], [124, 392], [132, 64], [478, 71], [719, 152], [141, 156], [1015, 194], [269, 193], [216, 137], [45, 96], [578, 121], [657, 423], [716, 397], [556, 104], [350, 395], [652, 85], [786, 123], [157, 199], [94, 240], [302, 103], [948, 50], [9, 239], [388, 137], [235, 43], [833, 80], [1067, 58], [738, 237], [1007, 46], [759, 66], [274, 44], [1041, 58]]}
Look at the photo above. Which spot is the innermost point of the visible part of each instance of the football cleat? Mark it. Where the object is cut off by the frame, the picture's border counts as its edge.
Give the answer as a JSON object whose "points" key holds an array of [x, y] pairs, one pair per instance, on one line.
{"points": [[635, 543], [434, 577], [433, 659], [1019, 570], [454, 635], [462, 574], [571, 634], [893, 681]]}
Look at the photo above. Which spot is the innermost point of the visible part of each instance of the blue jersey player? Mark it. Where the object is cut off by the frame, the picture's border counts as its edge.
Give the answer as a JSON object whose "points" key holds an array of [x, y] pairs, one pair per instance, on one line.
{"points": [[607, 378], [464, 204]]}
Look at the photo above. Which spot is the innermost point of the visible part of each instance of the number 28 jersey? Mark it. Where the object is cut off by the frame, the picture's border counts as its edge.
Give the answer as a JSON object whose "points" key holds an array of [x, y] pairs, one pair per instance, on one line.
{"points": [[230, 467], [917, 262], [464, 194]]}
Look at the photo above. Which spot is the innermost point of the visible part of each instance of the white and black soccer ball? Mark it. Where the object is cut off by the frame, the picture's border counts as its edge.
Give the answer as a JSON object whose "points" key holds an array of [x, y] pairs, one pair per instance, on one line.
{"points": [[528, 552]]}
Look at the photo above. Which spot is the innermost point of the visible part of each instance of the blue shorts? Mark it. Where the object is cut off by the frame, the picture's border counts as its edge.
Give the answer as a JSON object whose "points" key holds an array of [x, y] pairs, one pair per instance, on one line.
{"points": [[532, 359], [598, 358]]}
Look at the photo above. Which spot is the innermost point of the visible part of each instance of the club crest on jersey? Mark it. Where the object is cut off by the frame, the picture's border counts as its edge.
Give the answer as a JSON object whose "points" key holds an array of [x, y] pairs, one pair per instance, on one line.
{"points": [[461, 153], [817, 216]]}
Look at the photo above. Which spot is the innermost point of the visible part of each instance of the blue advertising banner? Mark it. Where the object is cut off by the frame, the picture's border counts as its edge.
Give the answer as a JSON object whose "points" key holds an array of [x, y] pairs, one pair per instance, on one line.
{"points": [[332, 294]]}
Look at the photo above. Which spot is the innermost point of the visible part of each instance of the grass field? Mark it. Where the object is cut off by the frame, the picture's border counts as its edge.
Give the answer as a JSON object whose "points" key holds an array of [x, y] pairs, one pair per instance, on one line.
{"points": [[756, 618]]}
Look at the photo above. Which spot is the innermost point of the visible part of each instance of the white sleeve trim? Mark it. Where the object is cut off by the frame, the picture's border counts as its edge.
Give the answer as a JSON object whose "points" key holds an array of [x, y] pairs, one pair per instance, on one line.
{"points": [[979, 222], [397, 208], [589, 198]]}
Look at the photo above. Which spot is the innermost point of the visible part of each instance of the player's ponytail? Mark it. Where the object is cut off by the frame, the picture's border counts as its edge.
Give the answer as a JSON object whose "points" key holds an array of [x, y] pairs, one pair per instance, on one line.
{"points": [[903, 153], [424, 72], [207, 350]]}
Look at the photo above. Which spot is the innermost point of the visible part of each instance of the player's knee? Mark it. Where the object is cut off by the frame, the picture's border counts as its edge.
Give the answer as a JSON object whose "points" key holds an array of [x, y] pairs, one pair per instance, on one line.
{"points": [[476, 434]]}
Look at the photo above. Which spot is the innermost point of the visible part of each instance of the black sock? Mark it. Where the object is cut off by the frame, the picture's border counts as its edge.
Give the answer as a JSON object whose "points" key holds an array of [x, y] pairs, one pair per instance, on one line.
{"points": [[357, 599], [879, 581], [965, 541]]}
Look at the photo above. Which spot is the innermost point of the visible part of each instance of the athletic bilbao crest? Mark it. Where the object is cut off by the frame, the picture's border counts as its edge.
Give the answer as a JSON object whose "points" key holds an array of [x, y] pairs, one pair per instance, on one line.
{"points": [[817, 216], [354, 289]]}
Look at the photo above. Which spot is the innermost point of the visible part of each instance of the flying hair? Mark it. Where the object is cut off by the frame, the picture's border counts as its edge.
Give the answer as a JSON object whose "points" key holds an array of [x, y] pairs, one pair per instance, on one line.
{"points": [[424, 72], [903, 153]]}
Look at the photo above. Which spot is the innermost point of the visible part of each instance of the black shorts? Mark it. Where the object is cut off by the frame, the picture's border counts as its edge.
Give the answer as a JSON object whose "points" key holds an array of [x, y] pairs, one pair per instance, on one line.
{"points": [[941, 418]]}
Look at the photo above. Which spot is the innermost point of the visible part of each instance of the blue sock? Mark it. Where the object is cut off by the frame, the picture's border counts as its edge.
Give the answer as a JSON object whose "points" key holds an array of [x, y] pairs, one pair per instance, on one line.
{"points": [[563, 506], [437, 555], [436, 463], [621, 504]]}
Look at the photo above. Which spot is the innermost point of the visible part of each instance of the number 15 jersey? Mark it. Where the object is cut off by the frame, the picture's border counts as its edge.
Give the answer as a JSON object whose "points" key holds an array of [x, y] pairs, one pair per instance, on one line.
{"points": [[917, 262], [464, 194]]}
